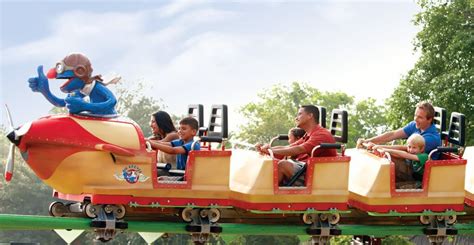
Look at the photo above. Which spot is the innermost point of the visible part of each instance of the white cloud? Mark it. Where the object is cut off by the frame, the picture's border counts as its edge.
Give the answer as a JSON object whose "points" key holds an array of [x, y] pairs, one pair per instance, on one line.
{"points": [[178, 6], [193, 53]]}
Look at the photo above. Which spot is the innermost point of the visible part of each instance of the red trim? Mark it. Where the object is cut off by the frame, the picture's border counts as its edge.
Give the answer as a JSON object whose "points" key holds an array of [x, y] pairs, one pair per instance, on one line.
{"points": [[117, 150], [307, 189], [188, 176], [411, 208], [469, 202], [289, 206], [171, 201], [70, 197], [453, 161], [8, 176], [339, 159], [119, 199]]}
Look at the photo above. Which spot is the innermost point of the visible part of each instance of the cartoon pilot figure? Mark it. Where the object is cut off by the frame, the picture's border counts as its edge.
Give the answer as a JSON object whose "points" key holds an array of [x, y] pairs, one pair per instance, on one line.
{"points": [[87, 94]]}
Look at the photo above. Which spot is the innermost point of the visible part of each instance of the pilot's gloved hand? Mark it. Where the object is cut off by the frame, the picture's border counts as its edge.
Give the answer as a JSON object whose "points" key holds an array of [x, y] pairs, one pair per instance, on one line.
{"points": [[75, 104], [39, 83]]}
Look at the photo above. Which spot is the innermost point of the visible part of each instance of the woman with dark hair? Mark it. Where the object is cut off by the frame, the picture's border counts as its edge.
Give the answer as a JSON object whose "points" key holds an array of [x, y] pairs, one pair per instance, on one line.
{"points": [[162, 127], [163, 130]]}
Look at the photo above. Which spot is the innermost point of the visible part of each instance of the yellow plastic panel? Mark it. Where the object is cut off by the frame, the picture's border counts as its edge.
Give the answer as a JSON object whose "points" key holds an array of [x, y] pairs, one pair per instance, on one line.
{"points": [[442, 174], [369, 175], [211, 173], [469, 183], [117, 133], [251, 172], [83, 172], [252, 181], [331, 178]]}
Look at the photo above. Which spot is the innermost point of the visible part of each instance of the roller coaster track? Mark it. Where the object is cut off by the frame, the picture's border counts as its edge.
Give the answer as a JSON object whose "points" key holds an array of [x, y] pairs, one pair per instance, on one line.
{"points": [[29, 222]]}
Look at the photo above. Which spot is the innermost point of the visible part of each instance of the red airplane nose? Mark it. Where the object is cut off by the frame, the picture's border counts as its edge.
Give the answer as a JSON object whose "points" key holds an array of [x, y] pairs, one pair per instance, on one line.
{"points": [[51, 73]]}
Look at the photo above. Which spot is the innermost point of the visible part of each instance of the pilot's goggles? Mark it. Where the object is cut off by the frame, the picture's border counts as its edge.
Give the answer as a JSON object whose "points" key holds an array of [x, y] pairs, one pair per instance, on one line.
{"points": [[62, 67]]}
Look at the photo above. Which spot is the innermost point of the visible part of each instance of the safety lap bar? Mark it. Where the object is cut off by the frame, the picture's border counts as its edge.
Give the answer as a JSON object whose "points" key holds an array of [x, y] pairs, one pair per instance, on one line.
{"points": [[279, 137], [164, 166], [327, 146], [215, 139], [282, 137], [177, 172], [443, 149]]}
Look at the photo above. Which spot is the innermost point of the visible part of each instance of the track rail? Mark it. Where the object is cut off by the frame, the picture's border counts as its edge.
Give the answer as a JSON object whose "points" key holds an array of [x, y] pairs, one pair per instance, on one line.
{"points": [[29, 222]]}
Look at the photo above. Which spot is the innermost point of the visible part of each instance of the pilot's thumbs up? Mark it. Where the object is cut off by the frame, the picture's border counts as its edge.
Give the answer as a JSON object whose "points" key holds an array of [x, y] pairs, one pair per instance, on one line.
{"points": [[41, 73], [39, 83]]}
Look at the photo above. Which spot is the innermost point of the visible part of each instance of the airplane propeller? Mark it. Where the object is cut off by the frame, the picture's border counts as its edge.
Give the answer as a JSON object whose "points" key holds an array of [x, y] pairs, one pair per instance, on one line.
{"points": [[11, 153], [14, 136]]}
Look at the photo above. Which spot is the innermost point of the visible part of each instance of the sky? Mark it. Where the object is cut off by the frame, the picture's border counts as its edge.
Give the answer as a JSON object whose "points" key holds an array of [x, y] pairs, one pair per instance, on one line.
{"points": [[208, 52]]}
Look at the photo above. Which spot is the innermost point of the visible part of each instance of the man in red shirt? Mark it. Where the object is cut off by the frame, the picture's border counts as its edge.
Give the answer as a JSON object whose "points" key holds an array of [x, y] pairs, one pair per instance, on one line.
{"points": [[307, 119]]}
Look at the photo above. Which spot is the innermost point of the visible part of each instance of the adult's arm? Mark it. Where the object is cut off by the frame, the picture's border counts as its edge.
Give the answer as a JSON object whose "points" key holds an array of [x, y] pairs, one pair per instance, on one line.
{"points": [[388, 136], [288, 150]]}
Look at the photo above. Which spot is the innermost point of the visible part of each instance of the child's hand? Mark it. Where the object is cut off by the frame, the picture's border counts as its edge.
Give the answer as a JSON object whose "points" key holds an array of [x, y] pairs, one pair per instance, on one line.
{"points": [[360, 142]]}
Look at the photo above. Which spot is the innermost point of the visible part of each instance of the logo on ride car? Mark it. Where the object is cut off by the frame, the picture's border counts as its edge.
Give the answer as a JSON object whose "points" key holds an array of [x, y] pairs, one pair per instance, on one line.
{"points": [[132, 174]]}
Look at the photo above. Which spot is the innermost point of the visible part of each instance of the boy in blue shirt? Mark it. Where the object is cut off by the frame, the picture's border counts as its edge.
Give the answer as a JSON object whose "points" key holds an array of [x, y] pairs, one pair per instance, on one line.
{"points": [[188, 128]]}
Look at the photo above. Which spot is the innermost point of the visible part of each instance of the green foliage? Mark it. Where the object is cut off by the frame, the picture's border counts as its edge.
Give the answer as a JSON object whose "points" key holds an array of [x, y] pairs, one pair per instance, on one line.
{"points": [[133, 104], [283, 240], [396, 240], [340, 240], [58, 110], [444, 73], [277, 107], [366, 120]]}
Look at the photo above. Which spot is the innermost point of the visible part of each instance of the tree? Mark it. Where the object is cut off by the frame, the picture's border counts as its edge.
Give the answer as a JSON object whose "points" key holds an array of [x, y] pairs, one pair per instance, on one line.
{"points": [[277, 107], [366, 120], [444, 73], [132, 103]]}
